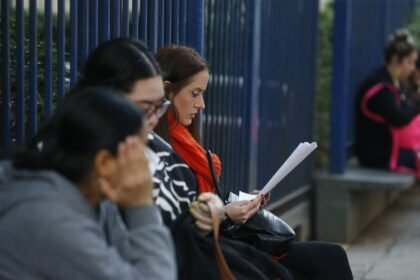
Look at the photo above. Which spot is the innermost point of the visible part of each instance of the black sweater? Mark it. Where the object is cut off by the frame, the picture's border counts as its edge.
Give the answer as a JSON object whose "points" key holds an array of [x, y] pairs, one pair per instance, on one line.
{"points": [[373, 139]]}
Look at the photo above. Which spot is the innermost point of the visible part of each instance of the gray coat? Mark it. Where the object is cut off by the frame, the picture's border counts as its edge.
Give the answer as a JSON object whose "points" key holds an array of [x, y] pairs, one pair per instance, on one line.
{"points": [[49, 231]]}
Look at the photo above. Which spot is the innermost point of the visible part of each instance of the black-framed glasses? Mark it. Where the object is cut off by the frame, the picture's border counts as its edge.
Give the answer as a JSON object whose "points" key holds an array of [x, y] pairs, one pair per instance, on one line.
{"points": [[158, 108]]}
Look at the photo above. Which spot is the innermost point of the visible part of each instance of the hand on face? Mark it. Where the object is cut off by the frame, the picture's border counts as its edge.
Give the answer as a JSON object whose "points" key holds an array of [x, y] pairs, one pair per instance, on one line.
{"points": [[133, 186], [240, 211]]}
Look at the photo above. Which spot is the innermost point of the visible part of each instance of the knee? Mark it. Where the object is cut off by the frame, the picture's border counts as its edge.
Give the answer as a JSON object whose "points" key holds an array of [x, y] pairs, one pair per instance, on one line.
{"points": [[334, 251]]}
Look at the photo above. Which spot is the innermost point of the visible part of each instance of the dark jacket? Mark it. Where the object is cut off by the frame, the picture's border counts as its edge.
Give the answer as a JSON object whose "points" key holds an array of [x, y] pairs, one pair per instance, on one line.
{"points": [[373, 139], [175, 183]]}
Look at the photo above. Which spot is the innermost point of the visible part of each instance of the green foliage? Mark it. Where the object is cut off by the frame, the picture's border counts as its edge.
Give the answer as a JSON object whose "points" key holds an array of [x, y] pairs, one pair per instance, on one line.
{"points": [[40, 69], [413, 23], [323, 86]]}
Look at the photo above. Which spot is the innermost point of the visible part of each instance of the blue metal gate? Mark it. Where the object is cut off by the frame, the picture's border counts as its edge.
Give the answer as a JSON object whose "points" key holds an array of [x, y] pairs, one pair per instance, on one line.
{"points": [[44, 45], [260, 101]]}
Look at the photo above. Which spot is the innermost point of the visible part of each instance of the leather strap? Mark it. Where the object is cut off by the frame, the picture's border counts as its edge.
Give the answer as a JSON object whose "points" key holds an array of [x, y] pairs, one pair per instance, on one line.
{"points": [[213, 175], [224, 270]]}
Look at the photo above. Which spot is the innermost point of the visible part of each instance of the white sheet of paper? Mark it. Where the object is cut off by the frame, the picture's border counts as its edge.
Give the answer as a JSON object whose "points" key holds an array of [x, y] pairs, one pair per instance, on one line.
{"points": [[246, 196], [298, 155]]}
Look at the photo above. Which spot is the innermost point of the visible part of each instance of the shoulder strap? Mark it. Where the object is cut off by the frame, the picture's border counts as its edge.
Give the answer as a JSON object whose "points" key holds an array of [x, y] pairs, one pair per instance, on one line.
{"points": [[213, 175], [371, 92], [224, 270]]}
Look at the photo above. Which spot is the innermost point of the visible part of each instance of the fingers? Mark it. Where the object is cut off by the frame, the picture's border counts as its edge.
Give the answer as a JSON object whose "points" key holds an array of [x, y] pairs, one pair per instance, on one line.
{"points": [[199, 215], [107, 190], [203, 226]]}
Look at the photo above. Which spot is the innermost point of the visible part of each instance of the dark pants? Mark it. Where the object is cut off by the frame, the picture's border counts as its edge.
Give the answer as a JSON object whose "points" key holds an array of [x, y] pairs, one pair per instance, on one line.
{"points": [[317, 260]]}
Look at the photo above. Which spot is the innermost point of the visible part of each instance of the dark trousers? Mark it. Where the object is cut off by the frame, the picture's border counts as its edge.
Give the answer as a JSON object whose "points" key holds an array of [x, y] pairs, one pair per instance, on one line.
{"points": [[316, 261]]}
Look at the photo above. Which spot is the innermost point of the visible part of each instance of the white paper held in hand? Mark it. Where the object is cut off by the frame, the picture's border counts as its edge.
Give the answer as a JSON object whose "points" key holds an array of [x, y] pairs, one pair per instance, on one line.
{"points": [[298, 155]]}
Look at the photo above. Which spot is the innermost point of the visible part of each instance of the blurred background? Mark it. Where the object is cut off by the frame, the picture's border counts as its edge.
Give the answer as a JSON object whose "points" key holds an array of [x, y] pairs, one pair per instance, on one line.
{"points": [[282, 72]]}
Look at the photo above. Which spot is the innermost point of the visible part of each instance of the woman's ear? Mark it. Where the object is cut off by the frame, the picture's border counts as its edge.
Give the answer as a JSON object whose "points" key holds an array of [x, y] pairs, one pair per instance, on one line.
{"points": [[167, 84], [105, 164]]}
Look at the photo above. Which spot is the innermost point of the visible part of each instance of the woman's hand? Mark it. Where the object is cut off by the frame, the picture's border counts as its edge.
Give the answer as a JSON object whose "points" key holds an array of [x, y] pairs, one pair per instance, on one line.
{"points": [[133, 186], [240, 211], [264, 199], [201, 211]]}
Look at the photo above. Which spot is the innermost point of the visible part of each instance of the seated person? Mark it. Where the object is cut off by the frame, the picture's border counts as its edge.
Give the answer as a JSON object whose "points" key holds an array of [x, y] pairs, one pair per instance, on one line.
{"points": [[387, 124], [49, 228]]}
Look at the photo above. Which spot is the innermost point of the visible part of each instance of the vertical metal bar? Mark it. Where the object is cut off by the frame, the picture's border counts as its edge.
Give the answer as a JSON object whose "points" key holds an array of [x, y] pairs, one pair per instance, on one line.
{"points": [[61, 51], [182, 21], [20, 72], [175, 21], [73, 41], [144, 21], [125, 19], [152, 37], [340, 85], [161, 24], [116, 11], [135, 20], [33, 70], [253, 85], [93, 24], [195, 25], [48, 58], [168, 22], [5, 84], [83, 41], [105, 8]]}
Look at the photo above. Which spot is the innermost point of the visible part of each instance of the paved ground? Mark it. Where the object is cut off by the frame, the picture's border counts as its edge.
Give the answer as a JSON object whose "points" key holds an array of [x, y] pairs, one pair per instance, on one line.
{"points": [[390, 248]]}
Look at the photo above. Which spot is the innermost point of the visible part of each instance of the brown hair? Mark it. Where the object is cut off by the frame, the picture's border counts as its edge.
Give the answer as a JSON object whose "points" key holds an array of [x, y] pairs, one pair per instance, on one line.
{"points": [[400, 43], [178, 64]]}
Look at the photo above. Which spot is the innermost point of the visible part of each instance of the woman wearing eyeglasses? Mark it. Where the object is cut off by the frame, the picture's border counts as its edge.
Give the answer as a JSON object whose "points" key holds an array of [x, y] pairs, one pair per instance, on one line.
{"points": [[127, 65]]}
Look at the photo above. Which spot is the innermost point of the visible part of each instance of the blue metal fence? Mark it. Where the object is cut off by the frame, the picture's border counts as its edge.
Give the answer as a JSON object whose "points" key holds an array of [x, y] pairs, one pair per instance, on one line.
{"points": [[360, 32], [44, 45], [262, 58], [260, 99]]}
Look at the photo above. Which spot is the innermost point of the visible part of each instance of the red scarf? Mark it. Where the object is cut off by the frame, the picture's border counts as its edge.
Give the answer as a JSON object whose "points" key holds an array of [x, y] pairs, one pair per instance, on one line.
{"points": [[193, 154]]}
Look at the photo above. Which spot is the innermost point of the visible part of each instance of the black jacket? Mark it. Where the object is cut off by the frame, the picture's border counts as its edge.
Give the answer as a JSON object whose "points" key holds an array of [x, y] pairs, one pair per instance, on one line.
{"points": [[373, 139]]}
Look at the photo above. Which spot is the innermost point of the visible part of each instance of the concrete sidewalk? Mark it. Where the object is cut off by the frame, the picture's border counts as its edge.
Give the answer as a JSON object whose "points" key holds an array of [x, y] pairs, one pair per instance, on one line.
{"points": [[390, 248]]}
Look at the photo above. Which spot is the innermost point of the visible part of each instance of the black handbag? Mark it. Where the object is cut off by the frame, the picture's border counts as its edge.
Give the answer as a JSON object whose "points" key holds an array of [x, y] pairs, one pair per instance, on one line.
{"points": [[264, 230]]}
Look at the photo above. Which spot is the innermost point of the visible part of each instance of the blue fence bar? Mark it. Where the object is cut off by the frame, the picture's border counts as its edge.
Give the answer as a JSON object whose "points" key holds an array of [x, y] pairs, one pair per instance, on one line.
{"points": [[182, 21], [125, 19], [83, 38], [48, 58], [105, 20], [73, 41], [175, 21], [161, 23], [33, 70], [115, 18], [152, 27], [20, 73], [168, 23], [93, 24], [143, 21], [340, 90], [5, 86], [61, 48], [135, 20]]}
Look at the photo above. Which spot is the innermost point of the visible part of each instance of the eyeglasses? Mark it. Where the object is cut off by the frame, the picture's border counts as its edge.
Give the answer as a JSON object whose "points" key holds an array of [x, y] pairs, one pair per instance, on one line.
{"points": [[158, 108]]}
